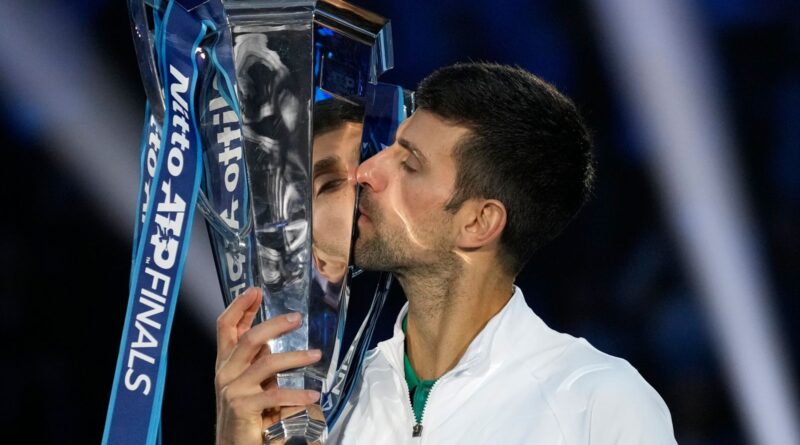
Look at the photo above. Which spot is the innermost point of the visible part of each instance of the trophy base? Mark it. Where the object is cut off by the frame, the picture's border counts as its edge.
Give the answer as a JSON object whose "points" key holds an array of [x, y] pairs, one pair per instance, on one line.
{"points": [[304, 428]]}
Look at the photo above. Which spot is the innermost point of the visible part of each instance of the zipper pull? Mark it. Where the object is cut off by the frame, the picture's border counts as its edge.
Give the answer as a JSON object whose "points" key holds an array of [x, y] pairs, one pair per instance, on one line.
{"points": [[417, 431]]}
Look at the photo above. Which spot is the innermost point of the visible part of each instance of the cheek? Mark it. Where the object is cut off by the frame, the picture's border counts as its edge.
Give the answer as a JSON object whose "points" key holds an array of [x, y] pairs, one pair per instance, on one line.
{"points": [[424, 198], [333, 216], [423, 210]]}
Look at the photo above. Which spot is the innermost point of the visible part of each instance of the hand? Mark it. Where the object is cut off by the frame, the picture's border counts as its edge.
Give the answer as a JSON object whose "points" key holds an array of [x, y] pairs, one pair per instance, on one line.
{"points": [[248, 398]]}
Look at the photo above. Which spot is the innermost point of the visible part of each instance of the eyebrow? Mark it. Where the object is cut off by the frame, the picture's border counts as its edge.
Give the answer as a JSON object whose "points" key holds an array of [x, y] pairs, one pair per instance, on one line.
{"points": [[326, 165], [408, 145]]}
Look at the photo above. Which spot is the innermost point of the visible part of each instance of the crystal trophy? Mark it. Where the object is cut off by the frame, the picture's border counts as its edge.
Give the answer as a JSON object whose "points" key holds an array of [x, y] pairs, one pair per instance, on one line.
{"points": [[288, 103], [306, 83]]}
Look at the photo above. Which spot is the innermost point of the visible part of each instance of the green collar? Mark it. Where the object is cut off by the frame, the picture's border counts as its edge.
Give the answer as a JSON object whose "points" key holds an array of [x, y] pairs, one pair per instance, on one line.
{"points": [[418, 389]]}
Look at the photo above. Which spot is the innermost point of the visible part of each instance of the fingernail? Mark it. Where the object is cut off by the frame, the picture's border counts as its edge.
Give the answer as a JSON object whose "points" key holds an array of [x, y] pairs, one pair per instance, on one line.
{"points": [[315, 353], [313, 395], [293, 317]]}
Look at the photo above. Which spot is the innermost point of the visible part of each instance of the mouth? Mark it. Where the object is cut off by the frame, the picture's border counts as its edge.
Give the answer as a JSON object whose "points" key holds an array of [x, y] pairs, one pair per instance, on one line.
{"points": [[364, 205], [363, 219]]}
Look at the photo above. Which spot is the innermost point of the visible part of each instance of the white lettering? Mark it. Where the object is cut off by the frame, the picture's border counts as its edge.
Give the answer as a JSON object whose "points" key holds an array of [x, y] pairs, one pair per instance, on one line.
{"points": [[144, 317], [228, 134], [230, 217], [152, 155], [140, 379], [180, 137], [146, 200], [177, 205], [217, 103], [231, 177], [134, 354], [145, 340], [238, 289], [152, 296], [235, 266], [166, 250], [175, 160], [182, 86], [157, 276]]}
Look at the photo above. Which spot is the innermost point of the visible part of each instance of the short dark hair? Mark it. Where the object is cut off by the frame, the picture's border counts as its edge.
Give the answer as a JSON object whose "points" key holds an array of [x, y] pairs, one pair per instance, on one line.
{"points": [[330, 114], [527, 147]]}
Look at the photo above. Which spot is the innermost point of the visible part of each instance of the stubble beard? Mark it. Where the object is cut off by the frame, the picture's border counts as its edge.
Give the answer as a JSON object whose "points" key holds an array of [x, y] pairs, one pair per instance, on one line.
{"points": [[433, 278], [384, 249], [379, 252], [387, 248]]}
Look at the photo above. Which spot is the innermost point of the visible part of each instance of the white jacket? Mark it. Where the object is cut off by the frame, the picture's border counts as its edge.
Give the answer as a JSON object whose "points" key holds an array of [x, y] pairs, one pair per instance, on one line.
{"points": [[519, 382]]}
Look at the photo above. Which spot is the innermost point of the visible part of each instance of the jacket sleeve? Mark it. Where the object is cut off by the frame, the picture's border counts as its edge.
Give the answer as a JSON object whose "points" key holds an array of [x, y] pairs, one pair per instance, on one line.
{"points": [[626, 410]]}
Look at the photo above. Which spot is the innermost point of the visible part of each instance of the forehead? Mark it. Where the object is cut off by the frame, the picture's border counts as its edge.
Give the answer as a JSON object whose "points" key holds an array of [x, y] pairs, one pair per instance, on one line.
{"points": [[434, 136], [342, 142]]}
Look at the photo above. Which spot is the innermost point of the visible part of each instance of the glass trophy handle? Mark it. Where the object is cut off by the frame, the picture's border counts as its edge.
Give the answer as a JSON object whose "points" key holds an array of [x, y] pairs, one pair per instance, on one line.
{"points": [[143, 43], [237, 240]]}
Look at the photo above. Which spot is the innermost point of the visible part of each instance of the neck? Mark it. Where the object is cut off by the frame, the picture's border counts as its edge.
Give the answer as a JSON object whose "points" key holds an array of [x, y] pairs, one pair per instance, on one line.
{"points": [[446, 311]]}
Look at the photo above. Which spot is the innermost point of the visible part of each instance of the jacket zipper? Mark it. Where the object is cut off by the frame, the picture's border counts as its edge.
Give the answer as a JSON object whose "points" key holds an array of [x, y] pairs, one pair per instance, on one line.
{"points": [[416, 430]]}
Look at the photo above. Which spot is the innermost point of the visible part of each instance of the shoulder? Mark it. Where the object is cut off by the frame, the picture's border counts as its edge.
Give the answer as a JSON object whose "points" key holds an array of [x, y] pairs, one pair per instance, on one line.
{"points": [[619, 406], [625, 408], [596, 396]]}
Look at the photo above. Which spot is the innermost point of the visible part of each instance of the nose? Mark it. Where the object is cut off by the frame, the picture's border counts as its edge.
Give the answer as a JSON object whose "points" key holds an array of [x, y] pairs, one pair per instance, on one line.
{"points": [[372, 172]]}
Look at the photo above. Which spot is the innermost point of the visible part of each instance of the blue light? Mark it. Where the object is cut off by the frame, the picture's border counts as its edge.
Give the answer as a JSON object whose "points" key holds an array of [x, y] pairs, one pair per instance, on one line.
{"points": [[320, 95]]}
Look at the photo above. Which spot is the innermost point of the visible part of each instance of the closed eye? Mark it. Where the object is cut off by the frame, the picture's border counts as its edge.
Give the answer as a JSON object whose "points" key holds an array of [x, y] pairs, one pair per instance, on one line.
{"points": [[407, 167], [331, 186]]}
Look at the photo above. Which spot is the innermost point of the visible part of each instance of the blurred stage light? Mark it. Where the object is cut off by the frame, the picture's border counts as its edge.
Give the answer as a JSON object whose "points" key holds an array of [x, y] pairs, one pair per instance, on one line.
{"points": [[93, 126], [664, 67]]}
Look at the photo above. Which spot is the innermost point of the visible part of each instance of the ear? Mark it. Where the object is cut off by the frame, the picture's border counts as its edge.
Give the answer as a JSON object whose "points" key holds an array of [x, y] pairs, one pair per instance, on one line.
{"points": [[482, 223]]}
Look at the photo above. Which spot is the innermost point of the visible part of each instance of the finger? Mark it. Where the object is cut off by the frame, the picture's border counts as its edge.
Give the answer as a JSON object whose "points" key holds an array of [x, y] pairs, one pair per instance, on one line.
{"points": [[262, 352], [249, 315], [269, 365], [228, 322], [278, 397], [254, 340]]}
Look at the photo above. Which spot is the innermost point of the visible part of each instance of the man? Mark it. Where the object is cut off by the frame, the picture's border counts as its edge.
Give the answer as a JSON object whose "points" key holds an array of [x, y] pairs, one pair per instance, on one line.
{"points": [[493, 164]]}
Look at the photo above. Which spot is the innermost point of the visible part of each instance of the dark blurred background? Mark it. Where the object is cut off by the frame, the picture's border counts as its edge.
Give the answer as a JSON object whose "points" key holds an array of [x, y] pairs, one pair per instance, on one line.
{"points": [[695, 283]]}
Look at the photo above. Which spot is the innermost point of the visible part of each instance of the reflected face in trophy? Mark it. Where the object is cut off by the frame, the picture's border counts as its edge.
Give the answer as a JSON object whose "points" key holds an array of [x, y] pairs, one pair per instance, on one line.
{"points": [[335, 159], [404, 222]]}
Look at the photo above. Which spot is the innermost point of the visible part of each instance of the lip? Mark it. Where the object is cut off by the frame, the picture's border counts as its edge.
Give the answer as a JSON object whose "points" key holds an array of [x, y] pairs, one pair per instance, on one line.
{"points": [[361, 211]]}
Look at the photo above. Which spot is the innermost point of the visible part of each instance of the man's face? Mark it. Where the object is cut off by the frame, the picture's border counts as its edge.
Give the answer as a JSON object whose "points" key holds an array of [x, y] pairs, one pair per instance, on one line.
{"points": [[335, 158], [403, 222]]}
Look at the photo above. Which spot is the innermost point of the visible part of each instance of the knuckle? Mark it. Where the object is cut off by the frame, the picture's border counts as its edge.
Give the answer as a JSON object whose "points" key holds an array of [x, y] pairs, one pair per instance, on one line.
{"points": [[220, 380], [265, 366], [226, 396], [272, 394], [267, 361], [247, 339], [237, 406], [221, 318]]}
